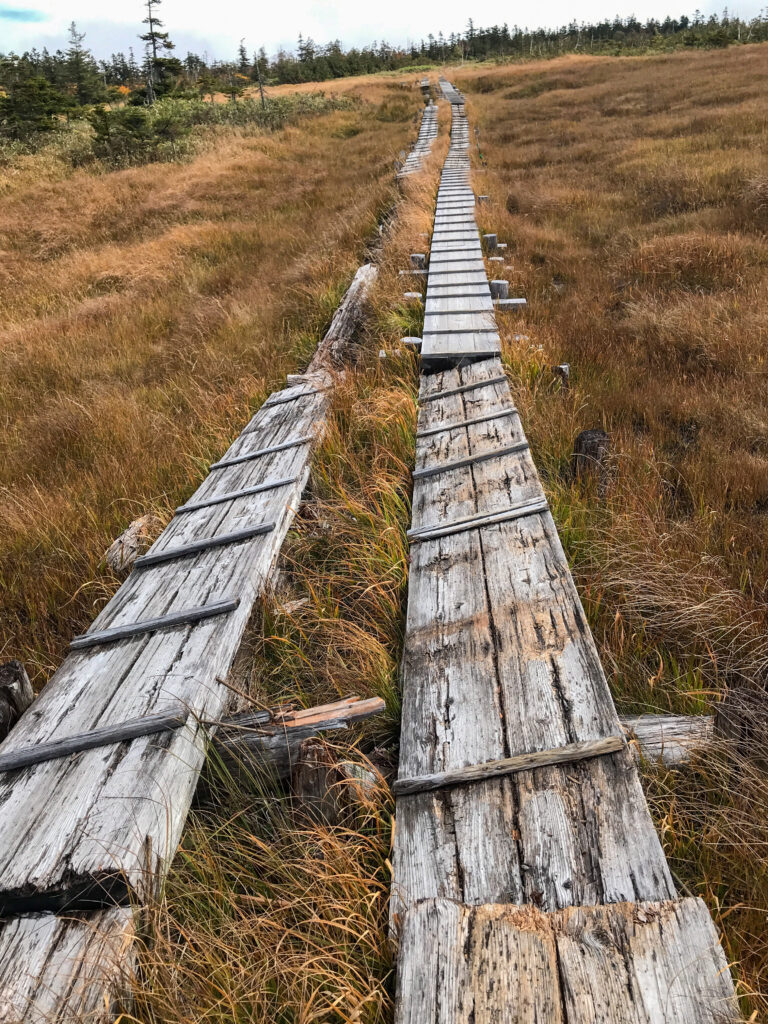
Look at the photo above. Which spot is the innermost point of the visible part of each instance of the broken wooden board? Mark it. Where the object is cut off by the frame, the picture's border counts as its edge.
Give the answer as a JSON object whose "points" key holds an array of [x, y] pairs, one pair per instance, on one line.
{"points": [[62, 970], [103, 822], [671, 739], [258, 741], [119, 810], [630, 963]]}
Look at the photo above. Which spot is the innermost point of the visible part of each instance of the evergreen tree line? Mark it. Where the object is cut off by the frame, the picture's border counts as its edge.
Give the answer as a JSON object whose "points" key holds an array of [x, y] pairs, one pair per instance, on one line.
{"points": [[40, 90]]}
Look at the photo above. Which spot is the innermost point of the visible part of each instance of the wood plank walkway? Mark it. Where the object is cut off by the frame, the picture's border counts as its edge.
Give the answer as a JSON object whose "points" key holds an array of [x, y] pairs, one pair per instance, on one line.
{"points": [[422, 146], [537, 895], [459, 326], [87, 833]]}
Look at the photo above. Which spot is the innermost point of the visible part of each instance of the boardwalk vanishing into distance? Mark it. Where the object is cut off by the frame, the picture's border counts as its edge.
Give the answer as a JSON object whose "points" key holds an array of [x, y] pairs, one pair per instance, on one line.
{"points": [[529, 884]]}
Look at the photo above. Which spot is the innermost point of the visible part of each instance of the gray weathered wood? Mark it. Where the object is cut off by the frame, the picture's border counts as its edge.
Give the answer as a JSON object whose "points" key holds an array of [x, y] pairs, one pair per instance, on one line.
{"points": [[569, 753], [128, 630], [62, 970], [631, 963], [16, 695], [148, 725], [245, 492], [499, 661], [259, 453], [669, 738], [119, 810], [471, 460], [206, 544], [338, 347], [255, 741]]}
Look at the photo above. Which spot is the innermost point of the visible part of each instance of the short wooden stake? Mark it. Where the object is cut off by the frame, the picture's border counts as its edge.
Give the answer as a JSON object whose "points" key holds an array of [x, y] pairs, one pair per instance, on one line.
{"points": [[499, 289], [491, 241], [563, 374]]}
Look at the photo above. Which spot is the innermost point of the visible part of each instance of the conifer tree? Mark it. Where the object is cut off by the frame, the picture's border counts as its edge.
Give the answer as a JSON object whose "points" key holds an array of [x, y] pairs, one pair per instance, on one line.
{"points": [[157, 42], [82, 70]]}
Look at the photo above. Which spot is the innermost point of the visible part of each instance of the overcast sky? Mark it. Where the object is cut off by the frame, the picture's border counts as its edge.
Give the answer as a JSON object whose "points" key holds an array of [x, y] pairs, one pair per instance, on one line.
{"points": [[216, 28]]}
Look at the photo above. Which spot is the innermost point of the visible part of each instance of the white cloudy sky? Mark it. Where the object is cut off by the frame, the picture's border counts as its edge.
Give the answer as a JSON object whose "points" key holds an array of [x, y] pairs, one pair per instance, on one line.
{"points": [[216, 28]]}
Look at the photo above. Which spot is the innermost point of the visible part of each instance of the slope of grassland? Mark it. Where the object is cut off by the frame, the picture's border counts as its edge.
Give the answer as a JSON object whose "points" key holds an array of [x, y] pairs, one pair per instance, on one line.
{"points": [[634, 197], [144, 314]]}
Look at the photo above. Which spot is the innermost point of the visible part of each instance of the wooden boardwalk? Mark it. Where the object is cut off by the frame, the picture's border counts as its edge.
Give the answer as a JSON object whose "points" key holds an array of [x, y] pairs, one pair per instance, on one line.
{"points": [[459, 326], [422, 146], [90, 832], [529, 884]]}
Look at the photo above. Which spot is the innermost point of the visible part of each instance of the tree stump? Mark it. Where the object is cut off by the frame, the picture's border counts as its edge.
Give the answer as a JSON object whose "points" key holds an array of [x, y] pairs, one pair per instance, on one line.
{"points": [[591, 453], [742, 719], [134, 541], [563, 374], [16, 695], [315, 781]]}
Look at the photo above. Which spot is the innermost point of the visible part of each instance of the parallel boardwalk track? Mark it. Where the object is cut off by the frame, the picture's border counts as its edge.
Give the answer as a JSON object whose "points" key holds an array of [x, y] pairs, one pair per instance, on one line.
{"points": [[542, 895], [87, 833]]}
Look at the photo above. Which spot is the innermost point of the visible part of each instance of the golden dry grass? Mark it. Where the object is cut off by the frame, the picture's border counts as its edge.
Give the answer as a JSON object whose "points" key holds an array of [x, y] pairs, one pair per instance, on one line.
{"points": [[144, 314], [634, 198]]}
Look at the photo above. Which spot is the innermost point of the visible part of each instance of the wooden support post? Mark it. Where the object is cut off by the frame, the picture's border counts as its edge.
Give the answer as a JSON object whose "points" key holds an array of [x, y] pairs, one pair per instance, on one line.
{"points": [[563, 374], [499, 289], [418, 261], [591, 452], [491, 242], [16, 695]]}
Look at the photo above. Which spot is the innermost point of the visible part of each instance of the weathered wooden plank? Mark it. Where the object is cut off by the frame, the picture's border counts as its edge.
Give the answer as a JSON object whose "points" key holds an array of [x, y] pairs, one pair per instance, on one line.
{"points": [[669, 738], [172, 554], [117, 812], [148, 725], [248, 740], [129, 630], [648, 963], [62, 970], [460, 322], [528, 508], [246, 492], [570, 753], [499, 661], [450, 304]]}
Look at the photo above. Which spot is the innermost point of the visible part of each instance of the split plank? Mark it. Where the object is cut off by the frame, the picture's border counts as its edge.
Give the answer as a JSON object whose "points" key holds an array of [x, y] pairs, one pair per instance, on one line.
{"points": [[648, 963]]}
